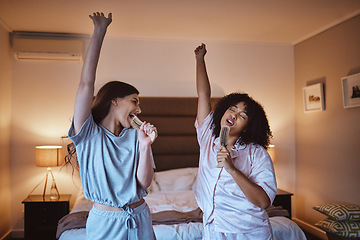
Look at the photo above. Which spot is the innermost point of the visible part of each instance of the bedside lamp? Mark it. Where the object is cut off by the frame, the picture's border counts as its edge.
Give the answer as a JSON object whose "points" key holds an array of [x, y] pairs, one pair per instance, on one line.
{"points": [[49, 156], [271, 151]]}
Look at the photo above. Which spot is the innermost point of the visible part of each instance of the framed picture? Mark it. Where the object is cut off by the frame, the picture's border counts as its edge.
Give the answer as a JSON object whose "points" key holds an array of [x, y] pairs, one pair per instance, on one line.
{"points": [[351, 90], [313, 97]]}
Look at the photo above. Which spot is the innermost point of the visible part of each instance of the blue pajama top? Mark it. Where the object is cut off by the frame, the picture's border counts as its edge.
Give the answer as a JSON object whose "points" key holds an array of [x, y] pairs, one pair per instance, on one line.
{"points": [[108, 164]]}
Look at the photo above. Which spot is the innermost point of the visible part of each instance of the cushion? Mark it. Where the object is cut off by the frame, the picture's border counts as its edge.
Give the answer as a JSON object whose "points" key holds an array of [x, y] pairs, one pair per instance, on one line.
{"points": [[176, 179], [154, 187], [333, 236], [341, 228], [339, 212]]}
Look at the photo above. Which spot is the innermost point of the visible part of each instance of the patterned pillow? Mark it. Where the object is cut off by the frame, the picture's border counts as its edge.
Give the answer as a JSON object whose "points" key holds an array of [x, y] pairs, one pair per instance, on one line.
{"points": [[339, 212], [341, 228]]}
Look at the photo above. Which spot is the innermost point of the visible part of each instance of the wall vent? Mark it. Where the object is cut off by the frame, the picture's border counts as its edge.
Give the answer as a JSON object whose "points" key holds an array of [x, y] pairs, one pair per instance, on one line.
{"points": [[48, 46]]}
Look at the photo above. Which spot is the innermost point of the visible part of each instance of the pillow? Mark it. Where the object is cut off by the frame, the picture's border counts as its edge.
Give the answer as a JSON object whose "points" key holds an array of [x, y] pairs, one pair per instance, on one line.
{"points": [[81, 203], [340, 228], [339, 212], [194, 184], [176, 179], [154, 187]]}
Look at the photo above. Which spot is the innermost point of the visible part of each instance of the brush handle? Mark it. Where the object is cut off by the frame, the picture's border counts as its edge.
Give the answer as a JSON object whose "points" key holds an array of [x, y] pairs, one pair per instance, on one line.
{"points": [[136, 123], [152, 136]]}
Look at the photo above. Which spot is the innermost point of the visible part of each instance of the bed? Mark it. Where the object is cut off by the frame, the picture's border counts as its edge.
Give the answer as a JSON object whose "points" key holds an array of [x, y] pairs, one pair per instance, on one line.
{"points": [[171, 199]]}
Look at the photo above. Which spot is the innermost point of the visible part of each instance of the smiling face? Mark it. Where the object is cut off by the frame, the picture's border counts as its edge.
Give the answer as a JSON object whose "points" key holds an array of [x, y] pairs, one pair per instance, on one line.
{"points": [[124, 108], [236, 118]]}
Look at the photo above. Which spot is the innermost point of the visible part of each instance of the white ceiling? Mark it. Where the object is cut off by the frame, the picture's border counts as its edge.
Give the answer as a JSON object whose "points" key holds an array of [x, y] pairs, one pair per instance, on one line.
{"points": [[280, 21]]}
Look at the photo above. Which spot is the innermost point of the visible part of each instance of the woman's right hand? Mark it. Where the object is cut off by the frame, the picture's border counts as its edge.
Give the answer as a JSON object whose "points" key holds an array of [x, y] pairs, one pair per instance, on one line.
{"points": [[145, 132], [85, 93], [100, 20], [202, 84], [200, 51]]}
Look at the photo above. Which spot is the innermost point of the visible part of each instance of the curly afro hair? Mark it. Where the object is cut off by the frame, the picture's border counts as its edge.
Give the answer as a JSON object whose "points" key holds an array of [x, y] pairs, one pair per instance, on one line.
{"points": [[258, 129]]}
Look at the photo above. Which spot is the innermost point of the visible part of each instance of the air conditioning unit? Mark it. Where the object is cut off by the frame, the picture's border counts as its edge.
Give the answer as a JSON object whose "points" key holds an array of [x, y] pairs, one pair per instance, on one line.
{"points": [[47, 46]]}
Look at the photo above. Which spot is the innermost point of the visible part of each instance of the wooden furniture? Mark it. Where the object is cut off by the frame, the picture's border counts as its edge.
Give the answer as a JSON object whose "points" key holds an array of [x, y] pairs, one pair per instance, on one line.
{"points": [[177, 146], [42, 215], [283, 199]]}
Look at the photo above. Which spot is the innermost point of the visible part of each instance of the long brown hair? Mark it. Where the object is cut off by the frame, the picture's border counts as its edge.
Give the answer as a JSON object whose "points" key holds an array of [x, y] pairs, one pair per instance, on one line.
{"points": [[111, 90]]}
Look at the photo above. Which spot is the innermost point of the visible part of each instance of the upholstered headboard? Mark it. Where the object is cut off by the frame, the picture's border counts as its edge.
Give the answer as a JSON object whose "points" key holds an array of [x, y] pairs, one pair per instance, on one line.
{"points": [[174, 117]]}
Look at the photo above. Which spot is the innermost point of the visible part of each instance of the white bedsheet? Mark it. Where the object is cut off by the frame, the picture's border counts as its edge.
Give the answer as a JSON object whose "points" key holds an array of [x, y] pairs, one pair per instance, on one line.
{"points": [[184, 201]]}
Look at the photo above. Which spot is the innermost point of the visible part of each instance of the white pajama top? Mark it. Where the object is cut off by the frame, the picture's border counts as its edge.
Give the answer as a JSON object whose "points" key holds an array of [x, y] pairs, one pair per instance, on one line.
{"points": [[219, 197]]}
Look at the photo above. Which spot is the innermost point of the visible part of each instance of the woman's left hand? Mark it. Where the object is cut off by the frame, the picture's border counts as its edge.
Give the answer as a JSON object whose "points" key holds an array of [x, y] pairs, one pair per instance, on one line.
{"points": [[224, 158], [144, 133], [100, 21]]}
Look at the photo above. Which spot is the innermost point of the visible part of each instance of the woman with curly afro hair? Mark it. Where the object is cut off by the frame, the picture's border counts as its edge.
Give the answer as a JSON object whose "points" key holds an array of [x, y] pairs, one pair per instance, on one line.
{"points": [[257, 130], [236, 181]]}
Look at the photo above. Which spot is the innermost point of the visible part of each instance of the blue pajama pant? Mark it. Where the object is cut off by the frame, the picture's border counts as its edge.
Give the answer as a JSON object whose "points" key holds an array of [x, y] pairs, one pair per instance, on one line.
{"points": [[120, 225]]}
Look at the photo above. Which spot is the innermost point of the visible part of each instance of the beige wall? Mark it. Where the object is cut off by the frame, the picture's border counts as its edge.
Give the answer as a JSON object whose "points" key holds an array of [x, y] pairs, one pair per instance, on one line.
{"points": [[327, 142], [5, 121], [42, 96], [44, 93]]}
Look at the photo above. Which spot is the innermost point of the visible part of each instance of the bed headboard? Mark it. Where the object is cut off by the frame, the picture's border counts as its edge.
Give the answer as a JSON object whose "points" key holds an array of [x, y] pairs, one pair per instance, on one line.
{"points": [[174, 117]]}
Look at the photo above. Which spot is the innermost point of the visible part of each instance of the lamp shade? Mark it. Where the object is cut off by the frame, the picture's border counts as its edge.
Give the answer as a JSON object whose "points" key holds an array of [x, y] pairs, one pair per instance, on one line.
{"points": [[271, 151], [48, 156]]}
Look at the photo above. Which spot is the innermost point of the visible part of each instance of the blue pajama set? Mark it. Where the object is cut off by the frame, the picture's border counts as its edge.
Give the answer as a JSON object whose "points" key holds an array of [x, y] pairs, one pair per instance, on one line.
{"points": [[108, 166]]}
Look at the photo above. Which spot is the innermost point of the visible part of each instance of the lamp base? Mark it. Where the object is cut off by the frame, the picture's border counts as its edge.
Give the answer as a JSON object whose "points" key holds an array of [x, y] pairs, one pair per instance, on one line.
{"points": [[54, 192]]}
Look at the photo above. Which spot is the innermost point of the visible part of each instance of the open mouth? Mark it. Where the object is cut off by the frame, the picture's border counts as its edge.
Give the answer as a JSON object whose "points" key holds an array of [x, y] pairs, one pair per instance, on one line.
{"points": [[230, 122]]}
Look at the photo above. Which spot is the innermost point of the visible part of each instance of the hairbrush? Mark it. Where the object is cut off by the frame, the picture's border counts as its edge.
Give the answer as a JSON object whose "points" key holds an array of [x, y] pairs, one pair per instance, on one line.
{"points": [[223, 138], [136, 123], [224, 134]]}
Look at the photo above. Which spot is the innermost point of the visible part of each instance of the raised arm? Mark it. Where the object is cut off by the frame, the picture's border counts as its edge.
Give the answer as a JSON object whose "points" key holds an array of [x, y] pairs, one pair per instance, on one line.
{"points": [[85, 92], [145, 170], [202, 84]]}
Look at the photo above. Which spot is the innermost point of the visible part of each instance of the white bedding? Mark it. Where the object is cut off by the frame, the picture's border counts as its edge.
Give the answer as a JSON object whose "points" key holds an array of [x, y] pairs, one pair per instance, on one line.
{"points": [[180, 198], [183, 201]]}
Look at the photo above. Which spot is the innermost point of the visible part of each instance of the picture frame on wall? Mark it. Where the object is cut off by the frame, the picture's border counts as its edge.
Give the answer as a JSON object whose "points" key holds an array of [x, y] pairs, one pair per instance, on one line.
{"points": [[313, 97], [351, 90]]}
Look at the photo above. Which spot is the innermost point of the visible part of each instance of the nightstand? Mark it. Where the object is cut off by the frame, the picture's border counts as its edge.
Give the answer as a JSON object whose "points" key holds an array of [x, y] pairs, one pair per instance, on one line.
{"points": [[42, 215], [283, 199]]}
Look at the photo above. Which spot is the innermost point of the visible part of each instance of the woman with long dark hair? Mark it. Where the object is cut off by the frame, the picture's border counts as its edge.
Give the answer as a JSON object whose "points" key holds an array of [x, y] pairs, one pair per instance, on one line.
{"points": [[115, 160]]}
